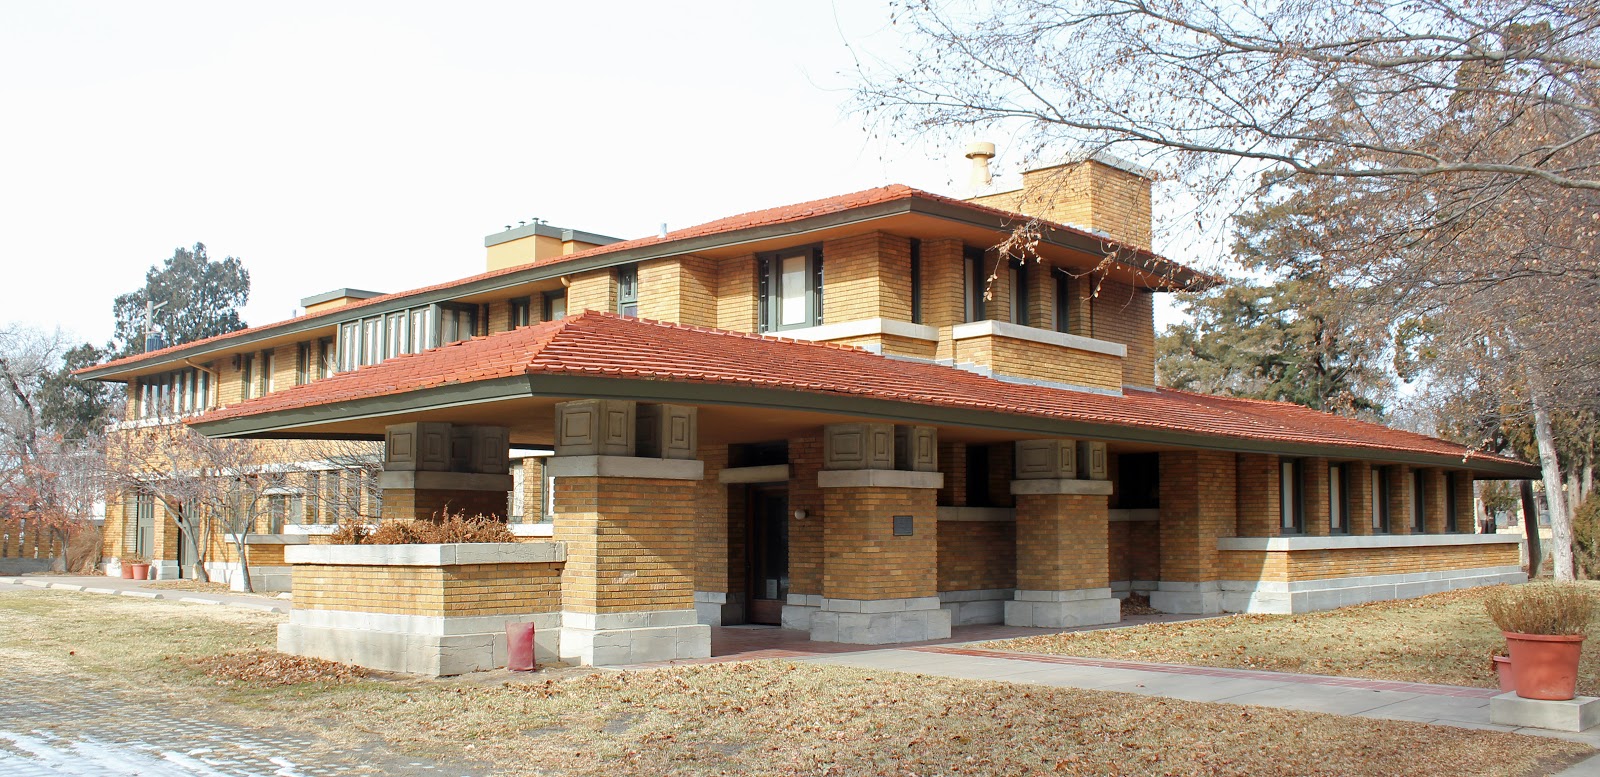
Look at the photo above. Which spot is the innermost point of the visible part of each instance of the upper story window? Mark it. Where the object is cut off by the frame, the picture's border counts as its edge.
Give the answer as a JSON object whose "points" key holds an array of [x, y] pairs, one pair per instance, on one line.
{"points": [[326, 358], [521, 312], [1063, 283], [173, 393], [628, 290], [977, 284], [791, 289], [1338, 505], [457, 322], [1291, 498], [916, 281], [1419, 501], [304, 363], [1019, 291], [247, 375], [375, 338], [1380, 500], [555, 305]]}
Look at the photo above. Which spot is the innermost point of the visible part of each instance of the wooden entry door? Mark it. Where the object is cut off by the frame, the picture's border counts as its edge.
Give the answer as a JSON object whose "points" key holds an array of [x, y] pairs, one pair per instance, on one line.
{"points": [[767, 553]]}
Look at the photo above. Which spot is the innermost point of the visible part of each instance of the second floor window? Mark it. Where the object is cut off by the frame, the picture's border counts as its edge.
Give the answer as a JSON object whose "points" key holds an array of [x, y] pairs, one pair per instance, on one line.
{"points": [[173, 393], [791, 289], [977, 284], [247, 376], [303, 363], [1063, 299], [1019, 291], [555, 305], [521, 312], [628, 290]]}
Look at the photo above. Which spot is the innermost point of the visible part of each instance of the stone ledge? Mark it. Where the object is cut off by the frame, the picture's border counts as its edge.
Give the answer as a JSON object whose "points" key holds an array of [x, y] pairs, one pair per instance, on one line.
{"points": [[1090, 609], [1343, 542], [453, 554], [1074, 595], [432, 480], [1061, 486], [880, 628], [771, 473], [865, 327], [1577, 714], [881, 605], [878, 478], [624, 467], [992, 328]]}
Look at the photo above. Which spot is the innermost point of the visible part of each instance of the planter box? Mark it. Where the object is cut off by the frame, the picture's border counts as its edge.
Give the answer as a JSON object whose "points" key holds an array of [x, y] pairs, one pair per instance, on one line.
{"points": [[424, 609]]}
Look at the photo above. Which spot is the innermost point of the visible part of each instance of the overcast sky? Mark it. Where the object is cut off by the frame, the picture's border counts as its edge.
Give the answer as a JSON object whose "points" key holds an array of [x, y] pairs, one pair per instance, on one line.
{"points": [[375, 145]]}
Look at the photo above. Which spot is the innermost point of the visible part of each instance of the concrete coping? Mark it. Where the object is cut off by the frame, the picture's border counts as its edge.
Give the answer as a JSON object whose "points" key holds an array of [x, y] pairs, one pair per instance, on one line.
{"points": [[878, 478], [532, 529], [771, 473], [978, 514], [1344, 542], [444, 555], [269, 539], [432, 480], [992, 328], [865, 327], [309, 528], [1061, 486], [624, 467]]}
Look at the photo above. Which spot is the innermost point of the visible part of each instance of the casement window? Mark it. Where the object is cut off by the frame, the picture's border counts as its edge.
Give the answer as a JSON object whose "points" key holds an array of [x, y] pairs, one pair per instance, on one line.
{"points": [[302, 363], [628, 290], [327, 358], [396, 336], [1338, 504], [977, 284], [1450, 517], [269, 365], [313, 499], [521, 312], [1063, 299], [1380, 500], [555, 305], [547, 495], [179, 392], [247, 375], [916, 281], [1019, 291], [1291, 497], [1419, 501], [457, 323], [519, 500], [790, 289], [371, 341]]}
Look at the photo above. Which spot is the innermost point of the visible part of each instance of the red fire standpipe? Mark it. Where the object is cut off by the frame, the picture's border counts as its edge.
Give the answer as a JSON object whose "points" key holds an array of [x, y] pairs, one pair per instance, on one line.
{"points": [[519, 647]]}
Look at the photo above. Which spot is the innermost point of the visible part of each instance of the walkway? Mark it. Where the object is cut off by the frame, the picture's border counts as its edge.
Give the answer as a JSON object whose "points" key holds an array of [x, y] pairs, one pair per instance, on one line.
{"points": [[142, 589]]}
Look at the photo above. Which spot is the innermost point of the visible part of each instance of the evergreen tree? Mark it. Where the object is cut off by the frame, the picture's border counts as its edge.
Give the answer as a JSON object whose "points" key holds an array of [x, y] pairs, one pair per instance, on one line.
{"points": [[195, 297]]}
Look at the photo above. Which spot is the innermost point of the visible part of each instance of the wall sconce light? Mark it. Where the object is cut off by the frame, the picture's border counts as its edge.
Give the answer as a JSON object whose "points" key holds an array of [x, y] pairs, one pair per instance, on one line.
{"points": [[800, 515]]}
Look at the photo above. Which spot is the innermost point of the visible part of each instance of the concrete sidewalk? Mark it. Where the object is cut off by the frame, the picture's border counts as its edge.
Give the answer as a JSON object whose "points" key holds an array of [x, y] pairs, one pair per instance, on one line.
{"points": [[116, 586], [1445, 705]]}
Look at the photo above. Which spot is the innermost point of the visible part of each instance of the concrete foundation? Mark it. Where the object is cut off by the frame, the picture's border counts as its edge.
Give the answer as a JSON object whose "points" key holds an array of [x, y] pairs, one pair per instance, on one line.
{"points": [[799, 608], [1327, 594], [880, 621], [1578, 714], [715, 608], [1063, 609], [1187, 598], [976, 607], [613, 638], [416, 644]]}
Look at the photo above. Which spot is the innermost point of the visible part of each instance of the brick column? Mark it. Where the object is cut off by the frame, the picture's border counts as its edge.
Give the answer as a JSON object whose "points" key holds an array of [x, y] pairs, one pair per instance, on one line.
{"points": [[806, 552], [1063, 564], [1201, 493], [1399, 499], [1359, 496], [1433, 506], [1258, 495], [1314, 479], [880, 569], [430, 469]]}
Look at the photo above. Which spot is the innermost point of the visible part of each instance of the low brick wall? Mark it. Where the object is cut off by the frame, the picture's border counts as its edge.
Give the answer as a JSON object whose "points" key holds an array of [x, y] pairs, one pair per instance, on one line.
{"points": [[1303, 574], [425, 609]]}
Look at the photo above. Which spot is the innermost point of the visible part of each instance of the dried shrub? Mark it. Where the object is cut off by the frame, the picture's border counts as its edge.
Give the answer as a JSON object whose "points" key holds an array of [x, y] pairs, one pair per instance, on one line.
{"points": [[350, 532], [447, 528], [266, 668], [1586, 537], [1541, 608], [83, 550]]}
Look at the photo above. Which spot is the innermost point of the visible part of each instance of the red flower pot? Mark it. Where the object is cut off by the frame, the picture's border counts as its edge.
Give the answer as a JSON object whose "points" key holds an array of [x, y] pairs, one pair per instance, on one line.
{"points": [[142, 572], [127, 570], [1545, 666], [1502, 671]]}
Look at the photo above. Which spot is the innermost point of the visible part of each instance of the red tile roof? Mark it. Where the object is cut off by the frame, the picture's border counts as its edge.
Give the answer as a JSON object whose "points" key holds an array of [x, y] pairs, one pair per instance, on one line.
{"points": [[607, 345], [754, 219]]}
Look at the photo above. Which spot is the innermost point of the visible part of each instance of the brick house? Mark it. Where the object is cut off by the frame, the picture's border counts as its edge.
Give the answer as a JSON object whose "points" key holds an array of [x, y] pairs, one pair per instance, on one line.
{"points": [[827, 416]]}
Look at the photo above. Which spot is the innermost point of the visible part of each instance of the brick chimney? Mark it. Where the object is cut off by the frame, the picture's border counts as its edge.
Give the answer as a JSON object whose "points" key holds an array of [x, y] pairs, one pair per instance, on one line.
{"points": [[1099, 193]]}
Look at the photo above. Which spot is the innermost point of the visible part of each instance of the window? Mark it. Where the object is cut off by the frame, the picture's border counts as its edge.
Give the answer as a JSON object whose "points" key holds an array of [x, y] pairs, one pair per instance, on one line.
{"points": [[1380, 500], [547, 496], [302, 364], [555, 305], [1019, 292], [396, 339], [1293, 514], [313, 500], [371, 341], [327, 363], [518, 496], [791, 289], [977, 282], [349, 346], [1419, 509], [172, 393], [1063, 299], [978, 476], [269, 365], [247, 375], [916, 281], [1338, 507], [421, 329], [521, 312], [1450, 517], [628, 290]]}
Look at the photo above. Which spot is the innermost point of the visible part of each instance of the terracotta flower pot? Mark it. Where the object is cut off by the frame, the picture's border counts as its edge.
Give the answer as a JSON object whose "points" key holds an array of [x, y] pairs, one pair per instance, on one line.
{"points": [[1502, 670], [1545, 666], [142, 572], [127, 570]]}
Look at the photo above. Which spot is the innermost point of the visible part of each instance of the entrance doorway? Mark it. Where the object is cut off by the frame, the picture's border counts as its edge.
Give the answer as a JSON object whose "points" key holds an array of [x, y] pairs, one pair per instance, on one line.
{"points": [[767, 553]]}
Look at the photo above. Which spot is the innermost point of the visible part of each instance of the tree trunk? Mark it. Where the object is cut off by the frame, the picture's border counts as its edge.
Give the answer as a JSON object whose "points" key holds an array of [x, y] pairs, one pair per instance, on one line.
{"points": [[244, 566], [191, 535], [1530, 529], [1550, 466]]}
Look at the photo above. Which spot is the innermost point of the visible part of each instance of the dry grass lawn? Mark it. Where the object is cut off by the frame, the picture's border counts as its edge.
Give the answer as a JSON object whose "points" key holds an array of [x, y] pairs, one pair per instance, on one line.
{"points": [[1444, 638], [750, 718]]}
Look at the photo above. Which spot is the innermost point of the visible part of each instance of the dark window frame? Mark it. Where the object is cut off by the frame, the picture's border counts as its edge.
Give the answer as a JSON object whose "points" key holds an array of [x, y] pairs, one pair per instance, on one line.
{"points": [[454, 311], [1380, 501], [916, 281], [769, 269], [519, 312], [1451, 518], [1019, 290], [550, 298], [1419, 501], [973, 307], [1063, 300], [247, 363], [627, 280], [302, 363], [1339, 475], [1298, 512], [980, 495]]}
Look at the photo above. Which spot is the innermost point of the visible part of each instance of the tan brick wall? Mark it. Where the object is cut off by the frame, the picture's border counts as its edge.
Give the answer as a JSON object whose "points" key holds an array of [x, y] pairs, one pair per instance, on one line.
{"points": [[863, 558], [806, 551], [1466, 519], [1435, 510], [1041, 295], [1135, 550], [866, 276], [1199, 500], [1296, 566], [592, 290], [1090, 196], [713, 557], [1314, 479], [468, 590], [977, 555], [998, 306], [1125, 315], [1358, 493], [1259, 514], [953, 465], [682, 289], [892, 345], [1062, 542], [943, 282], [499, 316], [630, 543], [737, 304], [1399, 499], [1028, 359]]}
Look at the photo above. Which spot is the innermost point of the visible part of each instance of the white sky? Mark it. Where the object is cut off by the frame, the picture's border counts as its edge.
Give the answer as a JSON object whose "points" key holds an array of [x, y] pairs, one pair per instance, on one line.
{"points": [[374, 145]]}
